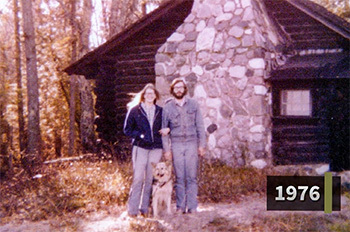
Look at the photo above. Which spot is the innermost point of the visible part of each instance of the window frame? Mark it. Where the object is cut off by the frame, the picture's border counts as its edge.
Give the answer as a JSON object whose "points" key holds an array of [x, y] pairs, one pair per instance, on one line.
{"points": [[281, 102]]}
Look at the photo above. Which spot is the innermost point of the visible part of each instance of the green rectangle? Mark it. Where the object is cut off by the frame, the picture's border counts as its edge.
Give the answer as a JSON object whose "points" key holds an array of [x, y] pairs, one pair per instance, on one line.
{"points": [[328, 192]]}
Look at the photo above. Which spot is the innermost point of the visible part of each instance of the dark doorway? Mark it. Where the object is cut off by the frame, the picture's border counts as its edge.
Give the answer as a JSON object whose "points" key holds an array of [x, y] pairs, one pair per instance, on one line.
{"points": [[339, 126]]}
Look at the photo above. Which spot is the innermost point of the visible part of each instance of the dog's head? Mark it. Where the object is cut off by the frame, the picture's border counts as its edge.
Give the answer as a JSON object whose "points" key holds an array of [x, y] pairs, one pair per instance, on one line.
{"points": [[162, 171]]}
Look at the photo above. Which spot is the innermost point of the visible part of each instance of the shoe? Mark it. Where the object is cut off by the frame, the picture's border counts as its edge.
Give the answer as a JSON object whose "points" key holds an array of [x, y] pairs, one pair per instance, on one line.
{"points": [[132, 215], [180, 211], [145, 215], [192, 211]]}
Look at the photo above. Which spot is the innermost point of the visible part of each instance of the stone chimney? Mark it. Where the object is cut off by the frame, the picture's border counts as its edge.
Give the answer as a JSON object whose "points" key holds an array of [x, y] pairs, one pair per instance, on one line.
{"points": [[224, 50]]}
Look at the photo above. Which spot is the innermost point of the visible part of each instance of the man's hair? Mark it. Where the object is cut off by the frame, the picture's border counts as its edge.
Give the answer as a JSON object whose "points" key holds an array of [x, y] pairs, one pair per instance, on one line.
{"points": [[174, 82]]}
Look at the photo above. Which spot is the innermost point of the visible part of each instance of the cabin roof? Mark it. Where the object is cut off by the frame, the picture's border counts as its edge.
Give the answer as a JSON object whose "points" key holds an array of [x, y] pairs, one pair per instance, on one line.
{"points": [[170, 14], [303, 24], [316, 41], [321, 14], [327, 66]]}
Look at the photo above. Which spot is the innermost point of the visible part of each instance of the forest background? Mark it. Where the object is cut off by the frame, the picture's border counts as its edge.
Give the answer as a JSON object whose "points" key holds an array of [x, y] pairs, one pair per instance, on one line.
{"points": [[44, 113]]}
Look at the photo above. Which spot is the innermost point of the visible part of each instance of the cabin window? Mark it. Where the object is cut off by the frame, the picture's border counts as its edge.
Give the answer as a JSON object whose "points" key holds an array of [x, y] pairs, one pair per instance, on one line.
{"points": [[295, 103]]}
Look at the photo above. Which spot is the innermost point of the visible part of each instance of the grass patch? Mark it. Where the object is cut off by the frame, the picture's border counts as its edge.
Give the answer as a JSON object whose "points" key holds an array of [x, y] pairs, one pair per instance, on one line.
{"points": [[302, 222], [219, 182], [142, 226], [68, 190], [291, 222], [84, 186], [221, 224]]}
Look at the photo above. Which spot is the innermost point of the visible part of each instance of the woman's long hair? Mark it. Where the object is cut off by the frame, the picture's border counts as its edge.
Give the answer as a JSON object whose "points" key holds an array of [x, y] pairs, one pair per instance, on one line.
{"points": [[140, 96]]}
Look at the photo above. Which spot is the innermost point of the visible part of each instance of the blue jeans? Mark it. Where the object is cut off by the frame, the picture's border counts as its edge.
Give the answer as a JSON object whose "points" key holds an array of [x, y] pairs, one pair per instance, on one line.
{"points": [[185, 158], [141, 187]]}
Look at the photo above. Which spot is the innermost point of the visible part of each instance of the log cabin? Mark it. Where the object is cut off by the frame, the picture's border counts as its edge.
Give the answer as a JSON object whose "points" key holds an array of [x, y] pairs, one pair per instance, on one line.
{"points": [[271, 76]]}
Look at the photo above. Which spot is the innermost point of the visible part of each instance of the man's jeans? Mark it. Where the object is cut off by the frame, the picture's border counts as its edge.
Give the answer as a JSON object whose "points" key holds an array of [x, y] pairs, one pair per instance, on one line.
{"points": [[142, 178], [185, 156]]}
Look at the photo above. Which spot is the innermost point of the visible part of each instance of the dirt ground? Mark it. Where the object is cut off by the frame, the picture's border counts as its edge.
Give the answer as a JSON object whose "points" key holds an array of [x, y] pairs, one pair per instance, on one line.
{"points": [[210, 217]]}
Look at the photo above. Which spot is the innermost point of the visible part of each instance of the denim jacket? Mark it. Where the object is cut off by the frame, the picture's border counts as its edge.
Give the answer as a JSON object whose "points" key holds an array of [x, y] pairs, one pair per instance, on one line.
{"points": [[136, 125], [185, 123]]}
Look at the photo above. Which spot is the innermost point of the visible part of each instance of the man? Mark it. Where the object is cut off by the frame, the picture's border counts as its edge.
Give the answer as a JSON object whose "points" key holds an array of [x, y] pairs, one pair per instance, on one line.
{"points": [[187, 140]]}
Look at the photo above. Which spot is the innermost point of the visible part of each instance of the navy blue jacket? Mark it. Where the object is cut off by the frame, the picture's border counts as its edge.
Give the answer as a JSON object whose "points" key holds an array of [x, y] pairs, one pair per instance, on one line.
{"points": [[136, 125]]}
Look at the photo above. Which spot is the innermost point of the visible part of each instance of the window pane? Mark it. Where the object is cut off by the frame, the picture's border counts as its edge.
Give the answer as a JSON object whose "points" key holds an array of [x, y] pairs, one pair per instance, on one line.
{"points": [[296, 102]]}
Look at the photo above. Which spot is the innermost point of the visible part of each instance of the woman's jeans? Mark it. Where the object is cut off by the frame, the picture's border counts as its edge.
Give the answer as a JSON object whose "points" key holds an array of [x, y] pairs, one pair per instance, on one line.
{"points": [[139, 197], [185, 157]]}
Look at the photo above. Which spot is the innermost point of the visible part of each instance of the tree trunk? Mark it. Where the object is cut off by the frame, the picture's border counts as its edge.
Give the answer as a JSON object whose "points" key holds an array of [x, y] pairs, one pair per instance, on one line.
{"points": [[88, 140], [85, 27], [20, 114], [72, 109], [123, 13], [87, 133], [33, 156], [116, 17], [72, 105], [5, 132], [105, 18]]}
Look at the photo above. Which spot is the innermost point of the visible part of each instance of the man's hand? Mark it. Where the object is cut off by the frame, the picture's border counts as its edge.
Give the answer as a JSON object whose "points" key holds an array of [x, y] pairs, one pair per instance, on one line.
{"points": [[164, 131], [167, 155], [201, 151]]}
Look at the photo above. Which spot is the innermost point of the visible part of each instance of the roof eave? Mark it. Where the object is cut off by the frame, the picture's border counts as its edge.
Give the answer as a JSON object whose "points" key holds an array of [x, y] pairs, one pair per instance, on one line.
{"points": [[340, 26]]}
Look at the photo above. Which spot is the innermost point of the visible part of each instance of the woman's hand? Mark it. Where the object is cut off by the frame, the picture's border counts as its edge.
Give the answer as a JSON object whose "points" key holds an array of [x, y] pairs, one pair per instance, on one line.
{"points": [[168, 155], [201, 151], [164, 131]]}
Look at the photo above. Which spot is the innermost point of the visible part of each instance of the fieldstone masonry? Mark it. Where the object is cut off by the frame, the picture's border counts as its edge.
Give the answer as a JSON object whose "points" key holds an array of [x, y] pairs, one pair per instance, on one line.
{"points": [[224, 50]]}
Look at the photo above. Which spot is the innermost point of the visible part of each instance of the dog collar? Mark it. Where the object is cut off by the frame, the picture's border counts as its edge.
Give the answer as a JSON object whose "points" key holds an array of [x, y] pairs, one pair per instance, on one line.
{"points": [[161, 184]]}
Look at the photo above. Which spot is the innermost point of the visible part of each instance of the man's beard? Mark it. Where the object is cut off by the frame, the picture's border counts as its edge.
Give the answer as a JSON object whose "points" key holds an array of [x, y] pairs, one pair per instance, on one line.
{"points": [[179, 95]]}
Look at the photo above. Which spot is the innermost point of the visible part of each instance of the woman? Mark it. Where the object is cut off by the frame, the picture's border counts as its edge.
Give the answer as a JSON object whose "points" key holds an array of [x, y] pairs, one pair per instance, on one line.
{"points": [[143, 123]]}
